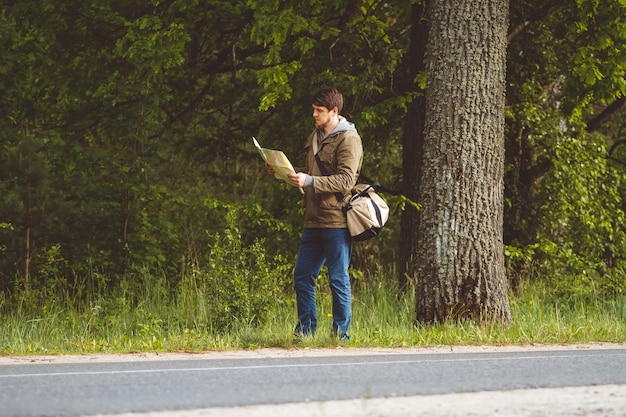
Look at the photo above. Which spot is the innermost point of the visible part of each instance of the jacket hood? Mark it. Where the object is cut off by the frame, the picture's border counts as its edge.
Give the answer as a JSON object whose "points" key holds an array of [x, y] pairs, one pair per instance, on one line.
{"points": [[343, 126]]}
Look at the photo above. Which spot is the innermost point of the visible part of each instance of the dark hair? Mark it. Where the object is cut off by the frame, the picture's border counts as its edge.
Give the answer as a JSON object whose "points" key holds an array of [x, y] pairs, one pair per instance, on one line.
{"points": [[329, 98]]}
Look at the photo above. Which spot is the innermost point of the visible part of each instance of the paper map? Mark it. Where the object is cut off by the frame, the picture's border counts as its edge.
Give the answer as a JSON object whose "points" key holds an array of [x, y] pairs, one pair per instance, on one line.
{"points": [[277, 161]]}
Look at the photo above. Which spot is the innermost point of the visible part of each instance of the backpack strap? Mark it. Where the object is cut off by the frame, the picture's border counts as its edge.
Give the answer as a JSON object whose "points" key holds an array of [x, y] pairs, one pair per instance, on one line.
{"points": [[338, 195]]}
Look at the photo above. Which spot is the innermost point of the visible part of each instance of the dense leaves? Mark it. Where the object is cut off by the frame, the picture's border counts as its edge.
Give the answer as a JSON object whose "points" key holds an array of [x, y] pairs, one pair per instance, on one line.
{"points": [[565, 200]]}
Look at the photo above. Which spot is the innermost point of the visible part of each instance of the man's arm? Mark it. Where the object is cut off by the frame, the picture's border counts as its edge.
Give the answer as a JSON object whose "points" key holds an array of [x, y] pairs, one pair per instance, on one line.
{"points": [[349, 160]]}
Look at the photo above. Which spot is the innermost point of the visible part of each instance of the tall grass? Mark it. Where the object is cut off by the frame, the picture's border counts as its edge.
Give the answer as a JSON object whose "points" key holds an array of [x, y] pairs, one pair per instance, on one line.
{"points": [[161, 323]]}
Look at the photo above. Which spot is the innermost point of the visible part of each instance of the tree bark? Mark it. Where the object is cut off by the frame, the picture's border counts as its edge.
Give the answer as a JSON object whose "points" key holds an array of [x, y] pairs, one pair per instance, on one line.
{"points": [[460, 259]]}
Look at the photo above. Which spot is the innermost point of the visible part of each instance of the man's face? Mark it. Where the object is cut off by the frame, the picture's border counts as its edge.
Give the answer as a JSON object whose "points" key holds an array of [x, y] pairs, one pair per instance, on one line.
{"points": [[323, 116]]}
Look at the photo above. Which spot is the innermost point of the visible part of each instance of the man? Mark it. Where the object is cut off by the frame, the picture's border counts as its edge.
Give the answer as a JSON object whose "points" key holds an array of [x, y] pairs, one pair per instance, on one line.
{"points": [[334, 158]]}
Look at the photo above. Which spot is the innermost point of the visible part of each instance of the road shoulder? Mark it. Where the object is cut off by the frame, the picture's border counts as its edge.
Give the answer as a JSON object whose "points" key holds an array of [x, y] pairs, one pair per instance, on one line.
{"points": [[295, 353]]}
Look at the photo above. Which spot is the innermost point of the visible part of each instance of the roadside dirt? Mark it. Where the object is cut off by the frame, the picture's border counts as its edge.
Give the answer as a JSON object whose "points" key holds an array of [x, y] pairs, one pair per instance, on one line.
{"points": [[290, 353]]}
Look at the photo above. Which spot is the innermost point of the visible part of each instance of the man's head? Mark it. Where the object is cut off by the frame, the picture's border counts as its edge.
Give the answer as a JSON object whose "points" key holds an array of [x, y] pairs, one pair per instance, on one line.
{"points": [[329, 98], [327, 104]]}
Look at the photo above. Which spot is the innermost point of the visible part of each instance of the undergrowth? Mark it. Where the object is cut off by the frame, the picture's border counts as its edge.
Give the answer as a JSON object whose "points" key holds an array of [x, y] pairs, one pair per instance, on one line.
{"points": [[381, 319]]}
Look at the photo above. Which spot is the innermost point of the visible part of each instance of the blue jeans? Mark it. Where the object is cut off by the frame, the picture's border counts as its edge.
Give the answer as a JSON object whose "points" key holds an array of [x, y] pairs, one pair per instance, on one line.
{"points": [[319, 246]]}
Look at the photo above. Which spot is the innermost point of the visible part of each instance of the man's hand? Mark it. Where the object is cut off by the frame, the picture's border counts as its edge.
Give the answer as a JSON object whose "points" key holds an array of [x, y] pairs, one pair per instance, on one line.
{"points": [[269, 169], [297, 179]]}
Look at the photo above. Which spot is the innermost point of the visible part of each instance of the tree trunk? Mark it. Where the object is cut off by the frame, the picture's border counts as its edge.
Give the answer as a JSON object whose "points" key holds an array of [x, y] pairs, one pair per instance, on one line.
{"points": [[412, 144], [459, 259]]}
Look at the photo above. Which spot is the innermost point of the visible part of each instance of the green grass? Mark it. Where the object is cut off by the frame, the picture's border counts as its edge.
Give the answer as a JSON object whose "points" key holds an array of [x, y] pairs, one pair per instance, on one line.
{"points": [[380, 320]]}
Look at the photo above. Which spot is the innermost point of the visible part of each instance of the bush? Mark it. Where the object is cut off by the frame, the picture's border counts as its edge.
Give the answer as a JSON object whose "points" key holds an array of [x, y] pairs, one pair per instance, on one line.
{"points": [[237, 285]]}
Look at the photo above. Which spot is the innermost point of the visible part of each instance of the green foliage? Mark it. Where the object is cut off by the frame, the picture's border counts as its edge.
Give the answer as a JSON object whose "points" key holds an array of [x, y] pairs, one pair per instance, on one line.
{"points": [[582, 216], [239, 284], [150, 45], [564, 205], [578, 237], [598, 63], [236, 285], [275, 81]]}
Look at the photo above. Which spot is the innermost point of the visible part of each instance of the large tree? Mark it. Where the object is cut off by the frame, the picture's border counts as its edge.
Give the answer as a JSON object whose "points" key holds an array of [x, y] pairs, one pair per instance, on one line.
{"points": [[459, 252]]}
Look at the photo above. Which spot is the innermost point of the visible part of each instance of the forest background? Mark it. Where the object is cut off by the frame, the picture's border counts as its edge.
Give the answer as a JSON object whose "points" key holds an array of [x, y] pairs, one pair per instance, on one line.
{"points": [[128, 172]]}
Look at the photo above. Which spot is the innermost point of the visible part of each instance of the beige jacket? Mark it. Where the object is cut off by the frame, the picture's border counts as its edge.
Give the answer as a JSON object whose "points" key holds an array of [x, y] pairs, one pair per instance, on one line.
{"points": [[341, 153]]}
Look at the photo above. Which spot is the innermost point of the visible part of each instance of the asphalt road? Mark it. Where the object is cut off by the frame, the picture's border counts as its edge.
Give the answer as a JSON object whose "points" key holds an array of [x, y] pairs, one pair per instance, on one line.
{"points": [[78, 389]]}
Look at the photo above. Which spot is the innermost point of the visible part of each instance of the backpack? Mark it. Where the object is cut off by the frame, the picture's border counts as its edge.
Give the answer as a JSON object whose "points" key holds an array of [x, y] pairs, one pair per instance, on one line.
{"points": [[366, 212]]}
